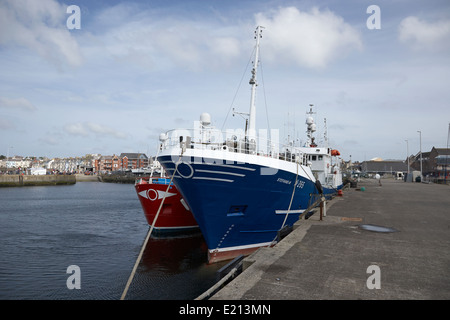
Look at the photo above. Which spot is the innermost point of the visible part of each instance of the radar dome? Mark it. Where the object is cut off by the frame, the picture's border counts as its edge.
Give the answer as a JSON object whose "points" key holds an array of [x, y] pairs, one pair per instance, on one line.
{"points": [[309, 120], [162, 137], [205, 119]]}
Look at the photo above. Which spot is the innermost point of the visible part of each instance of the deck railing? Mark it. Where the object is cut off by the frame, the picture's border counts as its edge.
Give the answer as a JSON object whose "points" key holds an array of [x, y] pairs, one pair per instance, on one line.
{"points": [[232, 141], [155, 180]]}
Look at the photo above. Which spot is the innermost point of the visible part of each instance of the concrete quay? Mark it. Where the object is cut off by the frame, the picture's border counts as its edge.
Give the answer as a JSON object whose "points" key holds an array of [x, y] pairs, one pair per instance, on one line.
{"points": [[333, 259], [18, 180], [86, 178]]}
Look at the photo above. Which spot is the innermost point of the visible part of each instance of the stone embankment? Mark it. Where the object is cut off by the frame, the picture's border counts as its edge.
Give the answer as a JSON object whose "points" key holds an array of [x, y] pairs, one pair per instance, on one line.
{"points": [[17, 180]]}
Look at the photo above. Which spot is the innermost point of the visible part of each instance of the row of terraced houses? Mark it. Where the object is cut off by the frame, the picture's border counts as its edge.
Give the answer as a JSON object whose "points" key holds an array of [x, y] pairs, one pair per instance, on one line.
{"points": [[88, 163]]}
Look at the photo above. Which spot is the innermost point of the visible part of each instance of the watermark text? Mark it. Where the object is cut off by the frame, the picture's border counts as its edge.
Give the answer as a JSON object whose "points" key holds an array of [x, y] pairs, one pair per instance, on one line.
{"points": [[374, 280], [374, 21], [74, 280], [74, 20]]}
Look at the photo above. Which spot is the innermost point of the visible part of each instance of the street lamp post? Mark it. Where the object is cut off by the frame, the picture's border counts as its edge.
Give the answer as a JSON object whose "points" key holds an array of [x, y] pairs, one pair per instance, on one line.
{"points": [[7, 159], [446, 157], [420, 136], [407, 154]]}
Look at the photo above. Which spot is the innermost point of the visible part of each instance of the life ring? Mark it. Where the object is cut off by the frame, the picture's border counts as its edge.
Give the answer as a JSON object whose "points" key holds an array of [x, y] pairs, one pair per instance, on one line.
{"points": [[335, 152]]}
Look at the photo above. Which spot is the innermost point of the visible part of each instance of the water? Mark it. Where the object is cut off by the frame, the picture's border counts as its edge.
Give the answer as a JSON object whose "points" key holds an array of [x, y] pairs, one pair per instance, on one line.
{"points": [[99, 227]]}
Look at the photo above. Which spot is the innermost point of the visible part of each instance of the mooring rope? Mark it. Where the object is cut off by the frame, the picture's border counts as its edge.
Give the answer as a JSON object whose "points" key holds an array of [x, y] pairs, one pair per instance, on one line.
{"points": [[208, 292], [138, 260], [290, 203]]}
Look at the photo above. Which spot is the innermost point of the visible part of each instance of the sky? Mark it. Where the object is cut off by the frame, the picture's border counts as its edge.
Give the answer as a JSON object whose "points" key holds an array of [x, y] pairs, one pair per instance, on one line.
{"points": [[134, 69]]}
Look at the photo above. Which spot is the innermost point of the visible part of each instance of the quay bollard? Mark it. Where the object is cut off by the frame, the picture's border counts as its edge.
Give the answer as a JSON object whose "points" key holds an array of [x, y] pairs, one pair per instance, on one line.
{"points": [[323, 208]]}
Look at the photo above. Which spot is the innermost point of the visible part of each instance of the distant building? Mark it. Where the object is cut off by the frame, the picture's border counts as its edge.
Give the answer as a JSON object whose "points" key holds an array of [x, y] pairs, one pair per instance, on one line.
{"points": [[18, 162], [108, 163], [89, 162], [71, 164], [124, 162], [134, 161], [435, 163], [383, 167], [443, 167]]}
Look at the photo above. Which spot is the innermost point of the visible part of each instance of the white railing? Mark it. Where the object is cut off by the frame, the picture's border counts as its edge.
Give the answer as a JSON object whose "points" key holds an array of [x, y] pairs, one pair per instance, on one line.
{"points": [[231, 141], [150, 180]]}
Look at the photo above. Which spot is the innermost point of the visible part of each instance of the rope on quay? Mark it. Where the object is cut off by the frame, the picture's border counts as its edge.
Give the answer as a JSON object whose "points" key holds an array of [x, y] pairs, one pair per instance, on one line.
{"points": [[138, 260], [215, 287]]}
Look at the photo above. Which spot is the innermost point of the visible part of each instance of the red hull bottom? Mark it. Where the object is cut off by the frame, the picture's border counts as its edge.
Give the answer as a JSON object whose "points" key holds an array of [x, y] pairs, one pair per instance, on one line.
{"points": [[174, 215]]}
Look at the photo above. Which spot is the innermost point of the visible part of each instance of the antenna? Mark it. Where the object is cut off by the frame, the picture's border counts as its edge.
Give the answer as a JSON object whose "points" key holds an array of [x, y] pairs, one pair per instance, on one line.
{"points": [[251, 134], [240, 113], [311, 127]]}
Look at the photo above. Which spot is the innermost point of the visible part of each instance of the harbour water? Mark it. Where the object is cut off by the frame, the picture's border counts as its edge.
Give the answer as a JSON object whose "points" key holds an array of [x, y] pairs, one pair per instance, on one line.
{"points": [[100, 228]]}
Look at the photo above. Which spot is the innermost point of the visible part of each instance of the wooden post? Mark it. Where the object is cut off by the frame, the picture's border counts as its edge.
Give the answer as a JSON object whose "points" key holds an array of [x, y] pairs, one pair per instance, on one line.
{"points": [[322, 206], [321, 210]]}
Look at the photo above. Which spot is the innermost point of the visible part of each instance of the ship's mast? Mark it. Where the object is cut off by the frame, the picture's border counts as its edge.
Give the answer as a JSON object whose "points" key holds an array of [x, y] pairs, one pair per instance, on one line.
{"points": [[311, 127], [251, 134]]}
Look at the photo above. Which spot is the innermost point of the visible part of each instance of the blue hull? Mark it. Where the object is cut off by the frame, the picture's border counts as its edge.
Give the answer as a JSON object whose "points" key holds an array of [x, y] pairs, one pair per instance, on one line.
{"points": [[237, 208], [328, 193]]}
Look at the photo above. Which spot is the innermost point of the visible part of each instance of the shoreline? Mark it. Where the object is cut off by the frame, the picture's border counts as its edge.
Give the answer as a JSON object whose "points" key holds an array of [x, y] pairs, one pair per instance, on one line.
{"points": [[17, 180]]}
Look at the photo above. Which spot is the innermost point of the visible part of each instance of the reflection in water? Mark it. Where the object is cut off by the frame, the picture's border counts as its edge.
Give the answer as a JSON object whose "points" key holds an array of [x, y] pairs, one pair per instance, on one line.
{"points": [[174, 254], [174, 267]]}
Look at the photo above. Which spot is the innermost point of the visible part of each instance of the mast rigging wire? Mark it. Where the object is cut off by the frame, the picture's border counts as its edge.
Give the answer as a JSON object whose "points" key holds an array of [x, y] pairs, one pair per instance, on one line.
{"points": [[237, 90]]}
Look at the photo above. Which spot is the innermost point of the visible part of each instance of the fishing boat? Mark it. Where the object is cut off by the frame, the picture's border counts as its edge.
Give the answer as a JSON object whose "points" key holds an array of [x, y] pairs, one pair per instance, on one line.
{"points": [[323, 160], [242, 188], [175, 216]]}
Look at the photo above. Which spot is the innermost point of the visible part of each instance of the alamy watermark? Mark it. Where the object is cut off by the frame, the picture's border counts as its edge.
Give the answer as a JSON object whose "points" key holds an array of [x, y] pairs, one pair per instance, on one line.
{"points": [[74, 20], [235, 141], [74, 280], [374, 280], [374, 21]]}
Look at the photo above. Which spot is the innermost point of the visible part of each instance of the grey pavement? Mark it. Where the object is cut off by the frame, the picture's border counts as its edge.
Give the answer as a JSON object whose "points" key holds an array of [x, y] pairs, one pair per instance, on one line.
{"points": [[329, 259]]}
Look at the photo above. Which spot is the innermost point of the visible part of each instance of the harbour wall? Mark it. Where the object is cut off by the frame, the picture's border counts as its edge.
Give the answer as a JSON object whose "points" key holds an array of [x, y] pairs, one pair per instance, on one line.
{"points": [[17, 180], [87, 178], [117, 178]]}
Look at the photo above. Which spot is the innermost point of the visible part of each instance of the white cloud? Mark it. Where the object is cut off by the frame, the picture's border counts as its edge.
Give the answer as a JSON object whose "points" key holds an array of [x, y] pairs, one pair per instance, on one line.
{"points": [[41, 27], [424, 35], [50, 140], [226, 46], [18, 103], [144, 38], [312, 39], [77, 129], [104, 130], [85, 129]]}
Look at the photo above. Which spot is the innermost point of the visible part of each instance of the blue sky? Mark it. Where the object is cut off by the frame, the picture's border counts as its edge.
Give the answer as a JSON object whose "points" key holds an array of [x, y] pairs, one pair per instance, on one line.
{"points": [[136, 69]]}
